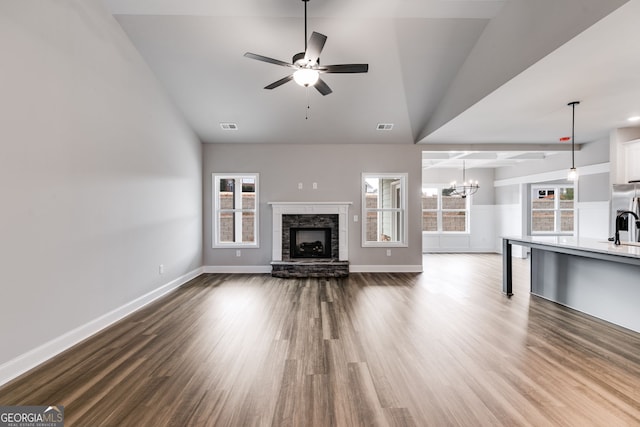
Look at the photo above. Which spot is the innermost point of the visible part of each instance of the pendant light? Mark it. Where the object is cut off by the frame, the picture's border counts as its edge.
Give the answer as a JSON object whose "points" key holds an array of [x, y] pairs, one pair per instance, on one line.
{"points": [[466, 188], [573, 172]]}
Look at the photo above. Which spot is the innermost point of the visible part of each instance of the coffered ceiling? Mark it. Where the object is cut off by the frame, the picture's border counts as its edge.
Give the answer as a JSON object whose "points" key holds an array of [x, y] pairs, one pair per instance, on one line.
{"points": [[441, 71]]}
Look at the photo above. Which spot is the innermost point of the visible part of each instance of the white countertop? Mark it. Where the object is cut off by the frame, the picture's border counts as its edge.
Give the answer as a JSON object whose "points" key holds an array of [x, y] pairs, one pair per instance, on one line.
{"points": [[629, 250]]}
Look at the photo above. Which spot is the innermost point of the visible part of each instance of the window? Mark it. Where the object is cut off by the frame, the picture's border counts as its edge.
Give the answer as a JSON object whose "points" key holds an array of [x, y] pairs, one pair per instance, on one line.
{"points": [[552, 210], [235, 207], [384, 213], [443, 212], [430, 210]]}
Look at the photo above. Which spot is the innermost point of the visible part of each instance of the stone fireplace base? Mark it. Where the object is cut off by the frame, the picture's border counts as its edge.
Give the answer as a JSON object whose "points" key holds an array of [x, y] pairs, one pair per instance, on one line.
{"points": [[315, 268]]}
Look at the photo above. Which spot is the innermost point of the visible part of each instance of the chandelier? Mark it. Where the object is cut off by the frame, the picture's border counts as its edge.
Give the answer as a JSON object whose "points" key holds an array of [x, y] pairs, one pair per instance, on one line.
{"points": [[467, 188]]}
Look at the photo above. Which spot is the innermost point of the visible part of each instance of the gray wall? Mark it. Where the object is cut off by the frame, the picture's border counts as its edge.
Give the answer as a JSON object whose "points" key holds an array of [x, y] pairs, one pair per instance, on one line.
{"points": [[100, 177], [336, 168], [594, 188], [507, 195]]}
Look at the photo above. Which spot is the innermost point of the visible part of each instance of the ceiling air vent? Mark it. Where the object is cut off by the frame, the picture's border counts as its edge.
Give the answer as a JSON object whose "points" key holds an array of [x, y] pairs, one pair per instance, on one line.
{"points": [[385, 126], [229, 126]]}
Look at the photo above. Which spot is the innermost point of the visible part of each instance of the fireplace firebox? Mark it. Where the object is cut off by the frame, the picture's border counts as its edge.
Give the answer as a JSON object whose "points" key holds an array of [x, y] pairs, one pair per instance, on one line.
{"points": [[310, 242]]}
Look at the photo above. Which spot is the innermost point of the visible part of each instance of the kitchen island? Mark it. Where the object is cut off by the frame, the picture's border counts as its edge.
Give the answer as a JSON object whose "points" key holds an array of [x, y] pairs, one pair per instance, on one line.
{"points": [[592, 276]]}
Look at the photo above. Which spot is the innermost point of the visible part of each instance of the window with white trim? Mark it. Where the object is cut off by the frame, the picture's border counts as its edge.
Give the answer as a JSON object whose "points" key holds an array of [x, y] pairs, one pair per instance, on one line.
{"points": [[552, 209], [443, 212], [384, 209], [235, 210]]}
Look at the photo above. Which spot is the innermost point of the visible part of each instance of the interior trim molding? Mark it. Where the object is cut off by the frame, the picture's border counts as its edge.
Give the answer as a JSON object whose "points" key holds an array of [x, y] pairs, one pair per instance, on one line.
{"points": [[237, 269], [385, 268], [460, 250], [262, 269], [32, 358]]}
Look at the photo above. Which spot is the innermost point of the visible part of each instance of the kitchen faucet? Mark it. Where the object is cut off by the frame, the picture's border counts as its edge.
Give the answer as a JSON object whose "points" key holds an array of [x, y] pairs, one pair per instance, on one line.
{"points": [[618, 219]]}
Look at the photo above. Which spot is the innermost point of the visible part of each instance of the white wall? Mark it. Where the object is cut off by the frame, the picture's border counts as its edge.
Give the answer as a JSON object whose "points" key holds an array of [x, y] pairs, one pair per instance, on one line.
{"points": [[510, 216], [482, 227], [500, 207], [100, 180], [593, 192]]}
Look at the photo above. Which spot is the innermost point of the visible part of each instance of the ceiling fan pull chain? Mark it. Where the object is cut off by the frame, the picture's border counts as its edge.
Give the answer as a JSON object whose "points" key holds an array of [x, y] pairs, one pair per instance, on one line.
{"points": [[308, 106]]}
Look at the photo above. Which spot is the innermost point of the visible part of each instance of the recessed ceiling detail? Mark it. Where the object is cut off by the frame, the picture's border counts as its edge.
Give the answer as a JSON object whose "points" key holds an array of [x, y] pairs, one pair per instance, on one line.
{"points": [[480, 159], [416, 51]]}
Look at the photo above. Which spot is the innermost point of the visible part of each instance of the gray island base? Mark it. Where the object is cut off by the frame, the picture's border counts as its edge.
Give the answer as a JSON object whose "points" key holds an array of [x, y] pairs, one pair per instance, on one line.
{"points": [[591, 276]]}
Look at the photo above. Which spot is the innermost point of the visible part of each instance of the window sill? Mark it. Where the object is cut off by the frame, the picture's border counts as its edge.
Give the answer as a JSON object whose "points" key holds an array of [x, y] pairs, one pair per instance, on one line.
{"points": [[235, 245], [384, 245], [447, 233], [551, 234]]}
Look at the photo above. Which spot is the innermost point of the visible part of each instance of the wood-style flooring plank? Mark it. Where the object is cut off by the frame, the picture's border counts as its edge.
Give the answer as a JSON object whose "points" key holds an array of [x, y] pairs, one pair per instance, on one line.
{"points": [[441, 348]]}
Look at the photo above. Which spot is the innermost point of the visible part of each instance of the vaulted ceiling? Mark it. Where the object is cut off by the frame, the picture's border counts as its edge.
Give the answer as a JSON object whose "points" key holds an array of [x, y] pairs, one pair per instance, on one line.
{"points": [[441, 71]]}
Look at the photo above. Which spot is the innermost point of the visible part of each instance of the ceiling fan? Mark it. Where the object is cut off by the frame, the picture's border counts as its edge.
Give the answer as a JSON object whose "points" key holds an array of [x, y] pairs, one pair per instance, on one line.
{"points": [[307, 64]]}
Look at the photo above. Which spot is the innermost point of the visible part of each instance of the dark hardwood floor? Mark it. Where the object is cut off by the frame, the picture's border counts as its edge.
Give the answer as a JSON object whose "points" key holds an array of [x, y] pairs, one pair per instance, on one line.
{"points": [[442, 348]]}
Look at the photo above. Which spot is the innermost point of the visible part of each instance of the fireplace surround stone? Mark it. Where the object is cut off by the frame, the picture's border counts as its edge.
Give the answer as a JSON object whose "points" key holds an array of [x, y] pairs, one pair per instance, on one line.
{"points": [[310, 214]]}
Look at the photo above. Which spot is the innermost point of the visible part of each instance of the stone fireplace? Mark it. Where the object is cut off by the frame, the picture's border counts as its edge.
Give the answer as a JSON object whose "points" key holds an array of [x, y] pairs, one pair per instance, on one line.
{"points": [[310, 239]]}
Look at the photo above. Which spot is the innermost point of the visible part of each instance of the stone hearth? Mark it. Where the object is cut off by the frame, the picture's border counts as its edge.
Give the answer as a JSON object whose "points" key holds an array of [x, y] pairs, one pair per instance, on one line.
{"points": [[315, 268]]}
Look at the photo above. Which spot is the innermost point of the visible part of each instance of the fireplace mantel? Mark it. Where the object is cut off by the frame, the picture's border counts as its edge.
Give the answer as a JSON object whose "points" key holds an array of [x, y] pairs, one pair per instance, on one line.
{"points": [[309, 208]]}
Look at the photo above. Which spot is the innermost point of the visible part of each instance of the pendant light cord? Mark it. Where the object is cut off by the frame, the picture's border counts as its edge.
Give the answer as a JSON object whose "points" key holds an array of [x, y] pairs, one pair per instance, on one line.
{"points": [[573, 136], [573, 131]]}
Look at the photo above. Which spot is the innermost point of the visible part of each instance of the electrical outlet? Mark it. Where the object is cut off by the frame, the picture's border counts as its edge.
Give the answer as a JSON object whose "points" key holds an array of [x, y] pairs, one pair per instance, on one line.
{"points": [[299, 186], [355, 218], [161, 269], [315, 185], [238, 252], [388, 252]]}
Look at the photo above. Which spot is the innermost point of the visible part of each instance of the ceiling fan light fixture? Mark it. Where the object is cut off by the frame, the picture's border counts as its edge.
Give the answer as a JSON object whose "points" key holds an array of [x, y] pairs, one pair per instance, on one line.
{"points": [[306, 77]]}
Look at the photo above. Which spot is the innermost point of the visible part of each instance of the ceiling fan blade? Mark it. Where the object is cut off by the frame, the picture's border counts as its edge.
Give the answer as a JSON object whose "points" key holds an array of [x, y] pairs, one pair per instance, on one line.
{"points": [[280, 82], [345, 68], [314, 47], [267, 59], [322, 87]]}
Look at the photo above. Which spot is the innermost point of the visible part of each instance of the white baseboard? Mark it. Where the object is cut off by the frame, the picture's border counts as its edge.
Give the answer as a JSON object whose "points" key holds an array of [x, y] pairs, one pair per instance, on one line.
{"points": [[46, 351], [231, 269], [385, 268], [261, 269], [460, 251]]}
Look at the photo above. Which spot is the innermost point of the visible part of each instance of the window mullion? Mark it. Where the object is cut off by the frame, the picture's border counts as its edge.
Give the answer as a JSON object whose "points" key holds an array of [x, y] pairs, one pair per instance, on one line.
{"points": [[237, 210]]}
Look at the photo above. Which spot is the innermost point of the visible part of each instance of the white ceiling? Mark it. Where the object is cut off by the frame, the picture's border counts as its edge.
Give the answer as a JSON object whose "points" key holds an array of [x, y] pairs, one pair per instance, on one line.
{"points": [[414, 48]]}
